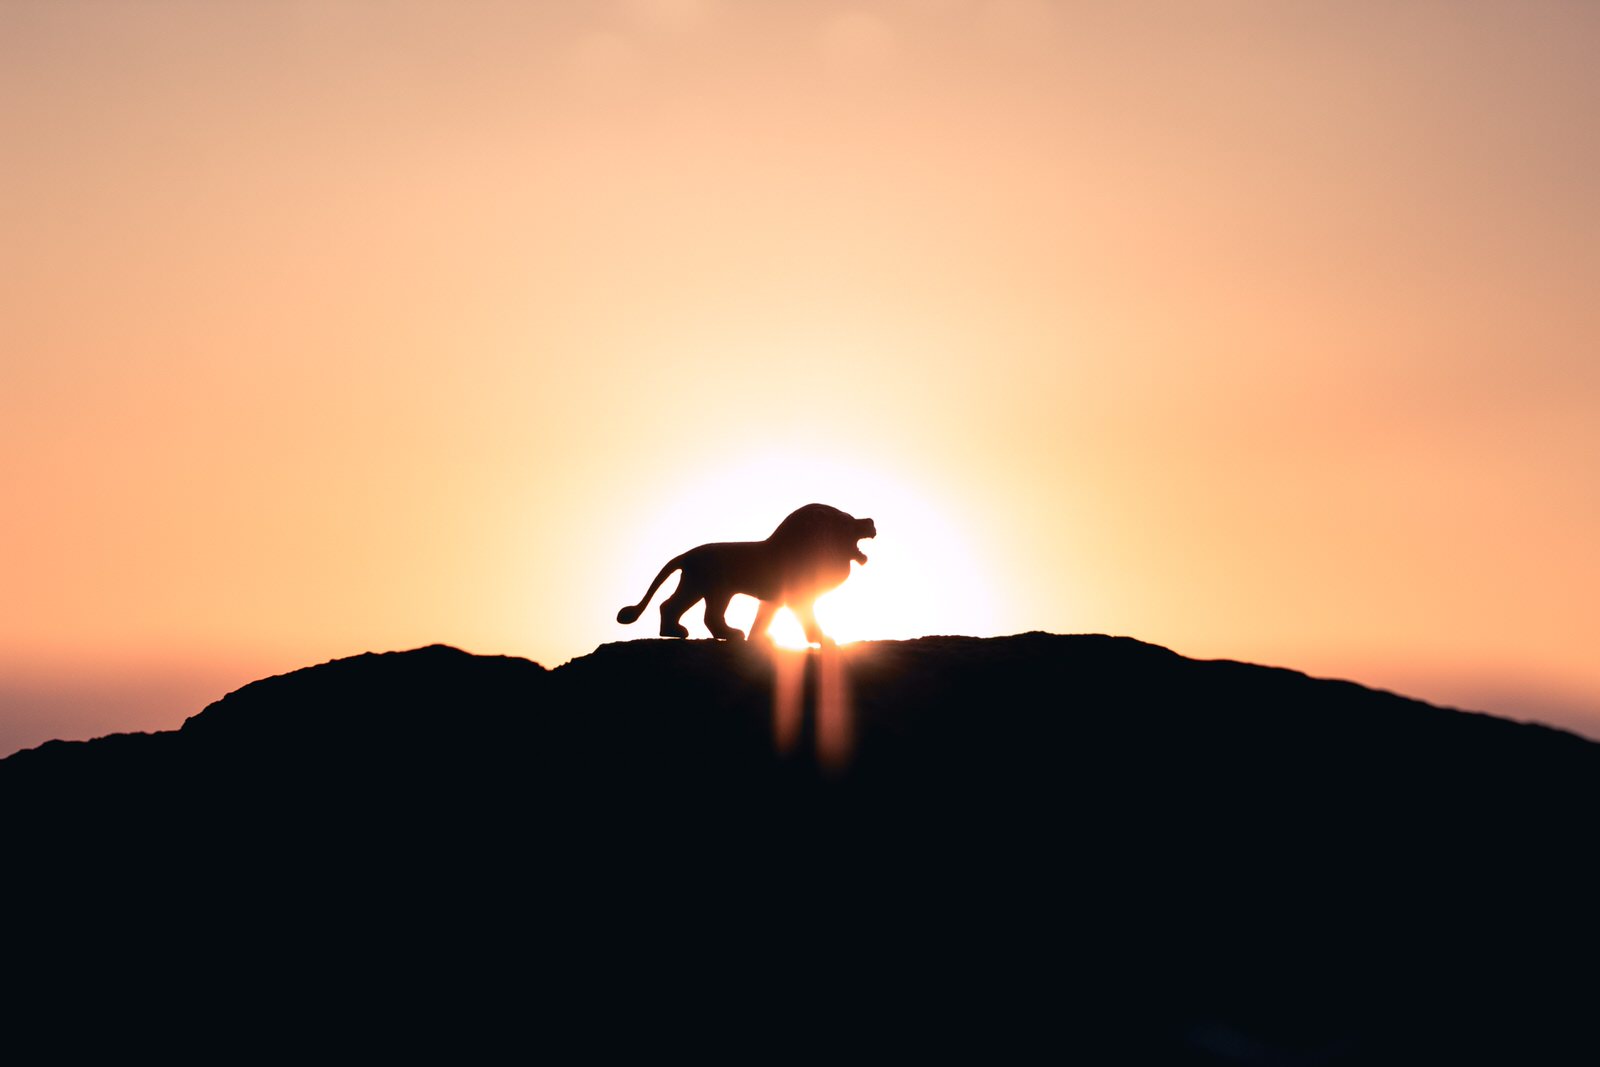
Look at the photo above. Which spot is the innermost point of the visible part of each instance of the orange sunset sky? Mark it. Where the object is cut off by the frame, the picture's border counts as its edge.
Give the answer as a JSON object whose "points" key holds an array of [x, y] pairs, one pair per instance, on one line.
{"points": [[1264, 331]]}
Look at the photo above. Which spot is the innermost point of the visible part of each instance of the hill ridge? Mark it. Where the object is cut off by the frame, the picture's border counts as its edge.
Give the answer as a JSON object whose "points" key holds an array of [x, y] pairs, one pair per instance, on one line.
{"points": [[854, 649], [1198, 855]]}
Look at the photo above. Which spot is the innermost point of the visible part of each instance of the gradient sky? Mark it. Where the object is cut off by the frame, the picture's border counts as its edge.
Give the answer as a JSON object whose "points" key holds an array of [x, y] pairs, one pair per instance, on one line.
{"points": [[1264, 331]]}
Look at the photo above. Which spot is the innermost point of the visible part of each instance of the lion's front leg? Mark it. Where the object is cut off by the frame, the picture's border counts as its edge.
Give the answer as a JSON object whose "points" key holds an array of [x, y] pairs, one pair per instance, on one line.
{"points": [[804, 611], [764, 614]]}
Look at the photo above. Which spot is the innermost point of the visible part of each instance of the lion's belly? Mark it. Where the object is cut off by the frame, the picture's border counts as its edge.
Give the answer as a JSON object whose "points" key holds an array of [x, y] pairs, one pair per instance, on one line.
{"points": [[815, 579], [752, 567]]}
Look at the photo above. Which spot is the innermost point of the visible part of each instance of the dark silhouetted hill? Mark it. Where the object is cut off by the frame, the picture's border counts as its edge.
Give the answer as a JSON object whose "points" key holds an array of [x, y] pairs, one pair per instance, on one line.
{"points": [[1044, 846]]}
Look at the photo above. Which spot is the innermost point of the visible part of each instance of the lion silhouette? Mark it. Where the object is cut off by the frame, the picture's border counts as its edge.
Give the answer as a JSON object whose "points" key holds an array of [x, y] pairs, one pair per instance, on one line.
{"points": [[807, 555]]}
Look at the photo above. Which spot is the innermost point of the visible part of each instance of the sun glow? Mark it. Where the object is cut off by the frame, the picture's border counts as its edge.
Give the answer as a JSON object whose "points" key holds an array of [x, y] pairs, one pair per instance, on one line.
{"points": [[920, 577]]}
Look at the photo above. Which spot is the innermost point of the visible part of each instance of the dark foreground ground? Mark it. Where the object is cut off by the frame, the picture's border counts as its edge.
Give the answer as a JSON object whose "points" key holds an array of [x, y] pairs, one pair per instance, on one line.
{"points": [[1056, 848]]}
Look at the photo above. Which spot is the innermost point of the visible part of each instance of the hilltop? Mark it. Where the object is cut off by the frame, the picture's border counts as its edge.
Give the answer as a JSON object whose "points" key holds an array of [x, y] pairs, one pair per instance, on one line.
{"points": [[1081, 841]]}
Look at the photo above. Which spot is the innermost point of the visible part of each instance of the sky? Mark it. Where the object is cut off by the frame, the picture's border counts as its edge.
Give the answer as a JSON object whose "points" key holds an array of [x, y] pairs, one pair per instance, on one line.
{"points": [[1261, 331]]}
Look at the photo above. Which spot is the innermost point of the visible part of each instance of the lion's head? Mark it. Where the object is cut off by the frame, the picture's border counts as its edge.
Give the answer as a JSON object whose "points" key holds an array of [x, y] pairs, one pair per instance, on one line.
{"points": [[818, 530]]}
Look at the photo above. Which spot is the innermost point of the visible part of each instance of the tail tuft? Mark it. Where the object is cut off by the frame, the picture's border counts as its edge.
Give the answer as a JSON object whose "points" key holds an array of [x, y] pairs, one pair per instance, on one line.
{"points": [[628, 614]]}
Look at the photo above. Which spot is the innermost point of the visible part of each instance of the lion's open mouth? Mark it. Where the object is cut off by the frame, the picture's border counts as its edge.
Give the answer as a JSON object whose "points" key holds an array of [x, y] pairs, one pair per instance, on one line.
{"points": [[869, 529]]}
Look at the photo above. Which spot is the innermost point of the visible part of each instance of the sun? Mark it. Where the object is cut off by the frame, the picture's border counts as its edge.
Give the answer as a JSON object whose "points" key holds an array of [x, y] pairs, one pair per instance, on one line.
{"points": [[921, 577]]}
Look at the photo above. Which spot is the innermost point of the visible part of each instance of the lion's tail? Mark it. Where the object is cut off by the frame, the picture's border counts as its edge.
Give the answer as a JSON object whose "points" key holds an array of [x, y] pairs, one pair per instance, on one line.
{"points": [[633, 611]]}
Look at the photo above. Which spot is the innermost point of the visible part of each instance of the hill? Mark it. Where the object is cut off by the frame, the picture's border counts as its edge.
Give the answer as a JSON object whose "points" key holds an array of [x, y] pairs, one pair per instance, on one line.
{"points": [[1056, 844]]}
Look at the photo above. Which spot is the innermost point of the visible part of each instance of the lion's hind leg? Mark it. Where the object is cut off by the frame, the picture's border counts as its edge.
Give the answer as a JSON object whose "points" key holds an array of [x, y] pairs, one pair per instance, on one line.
{"points": [[672, 609], [716, 622]]}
